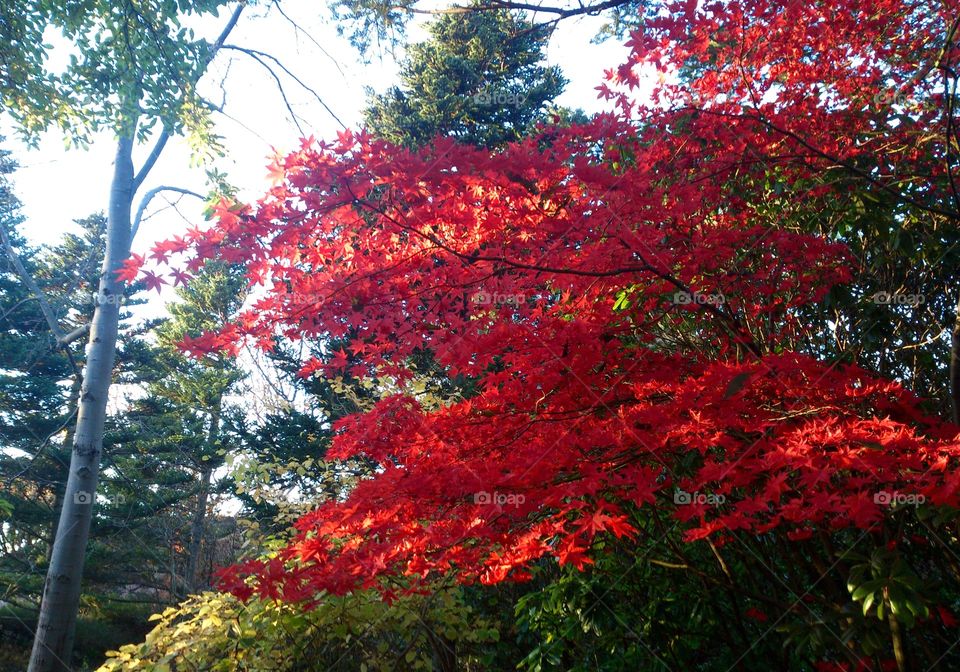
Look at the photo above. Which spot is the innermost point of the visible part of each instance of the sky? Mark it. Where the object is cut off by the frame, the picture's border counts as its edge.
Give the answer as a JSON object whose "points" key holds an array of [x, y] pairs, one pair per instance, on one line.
{"points": [[57, 184]]}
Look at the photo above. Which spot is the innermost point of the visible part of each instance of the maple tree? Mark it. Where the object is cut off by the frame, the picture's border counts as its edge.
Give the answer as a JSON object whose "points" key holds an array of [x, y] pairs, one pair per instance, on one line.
{"points": [[625, 305]]}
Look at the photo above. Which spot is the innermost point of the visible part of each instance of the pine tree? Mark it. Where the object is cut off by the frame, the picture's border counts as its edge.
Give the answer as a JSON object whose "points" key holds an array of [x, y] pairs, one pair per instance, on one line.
{"points": [[480, 78]]}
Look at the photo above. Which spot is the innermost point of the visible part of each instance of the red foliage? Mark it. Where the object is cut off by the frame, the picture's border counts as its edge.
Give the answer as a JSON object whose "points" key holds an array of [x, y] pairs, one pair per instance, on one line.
{"points": [[555, 273], [130, 269]]}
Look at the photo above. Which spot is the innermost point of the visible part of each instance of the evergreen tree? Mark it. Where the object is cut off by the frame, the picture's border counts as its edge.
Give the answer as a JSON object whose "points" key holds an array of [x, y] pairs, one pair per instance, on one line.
{"points": [[479, 78], [173, 437], [39, 384]]}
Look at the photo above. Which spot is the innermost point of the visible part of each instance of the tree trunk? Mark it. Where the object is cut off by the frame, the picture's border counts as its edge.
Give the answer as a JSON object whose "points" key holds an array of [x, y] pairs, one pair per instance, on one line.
{"points": [[444, 652], [60, 486], [955, 367], [196, 532], [53, 641]]}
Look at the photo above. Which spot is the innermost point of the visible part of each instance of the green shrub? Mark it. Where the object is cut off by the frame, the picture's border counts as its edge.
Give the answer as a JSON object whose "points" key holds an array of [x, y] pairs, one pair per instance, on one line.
{"points": [[359, 631]]}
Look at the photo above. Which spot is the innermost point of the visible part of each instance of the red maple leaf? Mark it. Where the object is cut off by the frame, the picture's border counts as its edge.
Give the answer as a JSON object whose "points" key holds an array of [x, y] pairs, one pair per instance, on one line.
{"points": [[572, 554], [153, 281], [180, 277], [130, 268]]}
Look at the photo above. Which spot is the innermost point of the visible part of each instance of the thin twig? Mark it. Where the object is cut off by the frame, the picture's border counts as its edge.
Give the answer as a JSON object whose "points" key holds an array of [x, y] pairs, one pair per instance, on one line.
{"points": [[260, 55], [149, 197]]}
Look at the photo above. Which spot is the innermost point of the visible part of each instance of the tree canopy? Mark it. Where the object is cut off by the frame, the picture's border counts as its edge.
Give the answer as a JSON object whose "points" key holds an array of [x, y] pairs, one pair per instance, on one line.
{"points": [[630, 298], [676, 386]]}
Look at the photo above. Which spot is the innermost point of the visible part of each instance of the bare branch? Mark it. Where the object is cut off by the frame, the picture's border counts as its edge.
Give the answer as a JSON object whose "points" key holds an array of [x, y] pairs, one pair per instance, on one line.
{"points": [[219, 107], [74, 335], [227, 29], [276, 78], [32, 285], [260, 55], [149, 197], [494, 5], [245, 127], [299, 30]]}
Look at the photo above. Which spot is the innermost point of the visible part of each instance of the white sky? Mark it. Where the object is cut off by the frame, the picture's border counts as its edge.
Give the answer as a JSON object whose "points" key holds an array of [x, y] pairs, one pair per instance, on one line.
{"points": [[57, 184]]}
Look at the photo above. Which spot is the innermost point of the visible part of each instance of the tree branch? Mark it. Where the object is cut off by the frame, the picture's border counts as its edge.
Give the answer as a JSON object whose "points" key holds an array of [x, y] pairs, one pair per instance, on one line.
{"points": [[283, 94], [149, 197], [494, 5], [165, 134], [77, 333], [32, 285], [151, 160], [839, 162], [227, 29], [260, 55], [298, 30]]}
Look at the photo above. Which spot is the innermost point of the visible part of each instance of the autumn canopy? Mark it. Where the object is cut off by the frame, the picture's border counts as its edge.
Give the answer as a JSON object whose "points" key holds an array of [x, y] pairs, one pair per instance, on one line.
{"points": [[606, 317]]}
